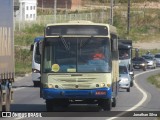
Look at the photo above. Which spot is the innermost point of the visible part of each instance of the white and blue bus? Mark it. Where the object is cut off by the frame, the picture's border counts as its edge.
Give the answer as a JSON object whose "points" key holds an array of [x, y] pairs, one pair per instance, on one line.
{"points": [[70, 74], [36, 61]]}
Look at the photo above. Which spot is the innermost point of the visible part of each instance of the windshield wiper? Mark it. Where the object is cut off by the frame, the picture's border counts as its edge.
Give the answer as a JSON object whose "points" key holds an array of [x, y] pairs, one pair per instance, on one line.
{"points": [[64, 43], [85, 43]]}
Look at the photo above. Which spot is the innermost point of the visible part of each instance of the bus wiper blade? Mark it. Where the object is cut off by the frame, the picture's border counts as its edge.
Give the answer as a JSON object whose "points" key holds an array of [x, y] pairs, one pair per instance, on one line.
{"points": [[85, 43], [64, 42]]}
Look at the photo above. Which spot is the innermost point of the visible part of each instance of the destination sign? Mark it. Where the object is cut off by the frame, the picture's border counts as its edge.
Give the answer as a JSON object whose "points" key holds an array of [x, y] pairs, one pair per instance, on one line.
{"points": [[76, 30]]}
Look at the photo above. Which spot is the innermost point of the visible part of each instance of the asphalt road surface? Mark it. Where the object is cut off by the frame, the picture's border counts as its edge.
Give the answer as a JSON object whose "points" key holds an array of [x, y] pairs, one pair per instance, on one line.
{"points": [[142, 97]]}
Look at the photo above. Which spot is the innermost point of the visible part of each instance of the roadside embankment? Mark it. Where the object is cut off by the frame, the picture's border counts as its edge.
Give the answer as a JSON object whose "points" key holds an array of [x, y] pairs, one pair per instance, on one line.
{"points": [[155, 80]]}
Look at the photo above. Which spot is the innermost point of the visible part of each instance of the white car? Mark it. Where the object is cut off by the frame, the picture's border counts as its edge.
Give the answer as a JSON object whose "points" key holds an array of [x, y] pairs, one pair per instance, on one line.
{"points": [[125, 78], [157, 57], [151, 61]]}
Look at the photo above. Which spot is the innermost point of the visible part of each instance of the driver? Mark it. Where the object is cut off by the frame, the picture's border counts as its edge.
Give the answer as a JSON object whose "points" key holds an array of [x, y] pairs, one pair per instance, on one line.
{"points": [[98, 55]]}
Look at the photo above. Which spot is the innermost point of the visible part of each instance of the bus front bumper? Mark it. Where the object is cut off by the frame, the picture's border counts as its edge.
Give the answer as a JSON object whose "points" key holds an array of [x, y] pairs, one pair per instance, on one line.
{"points": [[98, 93]]}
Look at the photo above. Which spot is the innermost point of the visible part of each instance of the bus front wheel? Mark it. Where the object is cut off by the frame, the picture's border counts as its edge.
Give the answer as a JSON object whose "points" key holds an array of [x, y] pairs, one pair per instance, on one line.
{"points": [[36, 83], [114, 102], [49, 105], [105, 104]]}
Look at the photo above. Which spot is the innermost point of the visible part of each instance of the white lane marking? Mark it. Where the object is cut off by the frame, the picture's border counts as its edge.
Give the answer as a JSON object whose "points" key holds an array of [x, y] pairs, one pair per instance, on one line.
{"points": [[142, 100], [16, 89]]}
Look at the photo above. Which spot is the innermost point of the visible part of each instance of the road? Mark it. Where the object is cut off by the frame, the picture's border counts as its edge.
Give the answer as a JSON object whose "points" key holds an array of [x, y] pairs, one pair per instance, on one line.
{"points": [[143, 97]]}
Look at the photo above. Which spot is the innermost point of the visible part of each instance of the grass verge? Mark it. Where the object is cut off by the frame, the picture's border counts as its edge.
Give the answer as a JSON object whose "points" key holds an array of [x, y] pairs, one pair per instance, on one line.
{"points": [[23, 61], [154, 80]]}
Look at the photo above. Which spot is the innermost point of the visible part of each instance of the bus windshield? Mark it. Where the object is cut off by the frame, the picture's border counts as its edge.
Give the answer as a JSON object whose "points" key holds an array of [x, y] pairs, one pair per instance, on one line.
{"points": [[77, 54]]}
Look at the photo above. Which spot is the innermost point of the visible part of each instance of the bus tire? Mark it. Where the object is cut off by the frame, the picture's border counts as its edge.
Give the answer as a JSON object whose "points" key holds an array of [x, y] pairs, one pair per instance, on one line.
{"points": [[7, 98], [60, 105], [49, 105], [114, 102], [1, 98], [65, 103], [36, 83], [106, 104]]}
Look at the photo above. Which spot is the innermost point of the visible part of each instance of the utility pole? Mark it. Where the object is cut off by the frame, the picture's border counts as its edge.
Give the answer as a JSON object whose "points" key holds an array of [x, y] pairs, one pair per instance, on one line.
{"points": [[55, 11], [128, 18], [21, 11], [111, 12], [66, 5], [103, 11], [42, 6]]}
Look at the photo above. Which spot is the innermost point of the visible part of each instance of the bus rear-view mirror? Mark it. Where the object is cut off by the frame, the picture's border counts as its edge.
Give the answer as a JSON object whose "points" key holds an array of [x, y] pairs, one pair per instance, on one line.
{"points": [[31, 48], [40, 47], [114, 45]]}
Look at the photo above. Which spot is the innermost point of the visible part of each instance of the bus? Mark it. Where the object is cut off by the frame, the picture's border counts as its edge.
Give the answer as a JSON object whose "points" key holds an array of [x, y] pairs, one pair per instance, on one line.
{"points": [[36, 61], [70, 74]]}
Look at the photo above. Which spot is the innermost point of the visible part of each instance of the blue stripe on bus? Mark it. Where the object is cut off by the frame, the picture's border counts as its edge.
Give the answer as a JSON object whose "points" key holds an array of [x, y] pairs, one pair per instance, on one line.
{"points": [[50, 93]]}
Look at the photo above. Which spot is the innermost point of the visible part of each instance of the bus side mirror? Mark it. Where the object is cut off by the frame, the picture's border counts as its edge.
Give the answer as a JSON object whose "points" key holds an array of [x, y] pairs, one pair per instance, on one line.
{"points": [[40, 47], [31, 48], [114, 44]]}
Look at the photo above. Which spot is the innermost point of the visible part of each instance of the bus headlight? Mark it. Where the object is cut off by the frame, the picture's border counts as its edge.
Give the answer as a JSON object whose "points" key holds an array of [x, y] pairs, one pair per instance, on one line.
{"points": [[50, 86], [102, 85]]}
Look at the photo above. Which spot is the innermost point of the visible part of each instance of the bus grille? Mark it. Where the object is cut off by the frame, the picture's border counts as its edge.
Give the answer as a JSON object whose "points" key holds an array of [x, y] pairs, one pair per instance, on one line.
{"points": [[76, 86]]}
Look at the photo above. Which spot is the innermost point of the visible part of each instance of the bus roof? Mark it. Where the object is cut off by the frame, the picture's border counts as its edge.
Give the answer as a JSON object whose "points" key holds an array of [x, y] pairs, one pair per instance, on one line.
{"points": [[112, 29], [39, 38]]}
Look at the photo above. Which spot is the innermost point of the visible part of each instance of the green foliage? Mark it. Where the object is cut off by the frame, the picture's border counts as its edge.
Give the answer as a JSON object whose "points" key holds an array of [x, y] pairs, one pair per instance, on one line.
{"points": [[155, 80], [23, 60], [136, 1], [143, 23], [23, 57], [144, 51], [34, 29], [26, 37], [125, 1]]}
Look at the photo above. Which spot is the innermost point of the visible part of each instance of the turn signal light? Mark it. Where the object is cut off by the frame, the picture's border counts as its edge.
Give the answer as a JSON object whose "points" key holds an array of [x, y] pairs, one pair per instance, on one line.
{"points": [[35, 71], [108, 85], [102, 85]]}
